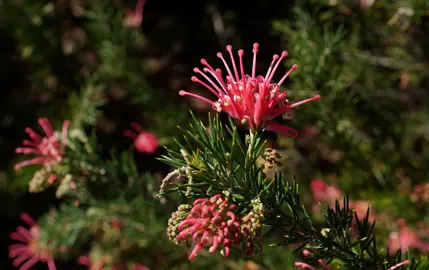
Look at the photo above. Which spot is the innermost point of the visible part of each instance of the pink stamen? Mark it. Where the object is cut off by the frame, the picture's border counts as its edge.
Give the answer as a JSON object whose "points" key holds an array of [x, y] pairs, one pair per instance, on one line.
{"points": [[294, 67], [275, 57], [195, 79], [317, 97], [220, 56], [229, 49], [240, 55], [282, 56], [184, 93]]}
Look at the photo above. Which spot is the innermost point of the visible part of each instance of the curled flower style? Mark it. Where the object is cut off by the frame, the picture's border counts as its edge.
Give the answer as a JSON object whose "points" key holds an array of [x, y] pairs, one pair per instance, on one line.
{"points": [[252, 99], [31, 250], [143, 141], [49, 150], [211, 223], [133, 19], [307, 266]]}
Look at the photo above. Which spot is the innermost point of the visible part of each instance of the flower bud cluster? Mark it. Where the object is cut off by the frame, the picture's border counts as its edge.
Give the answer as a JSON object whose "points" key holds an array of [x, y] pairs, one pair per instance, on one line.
{"points": [[251, 225], [174, 221]]}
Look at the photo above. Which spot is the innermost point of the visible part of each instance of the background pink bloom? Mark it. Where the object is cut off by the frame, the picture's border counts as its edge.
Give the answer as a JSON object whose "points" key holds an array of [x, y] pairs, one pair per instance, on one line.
{"points": [[324, 193], [29, 251], [251, 99], [406, 239], [143, 141], [49, 150], [361, 208]]}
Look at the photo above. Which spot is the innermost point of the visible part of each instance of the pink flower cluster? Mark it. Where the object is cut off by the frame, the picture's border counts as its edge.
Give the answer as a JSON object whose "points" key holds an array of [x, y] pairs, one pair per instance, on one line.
{"points": [[406, 239], [211, 223], [252, 99], [49, 150], [30, 251], [143, 141]]}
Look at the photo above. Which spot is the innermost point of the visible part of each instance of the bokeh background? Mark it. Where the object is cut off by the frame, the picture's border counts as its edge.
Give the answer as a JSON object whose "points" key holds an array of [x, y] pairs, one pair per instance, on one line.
{"points": [[368, 136]]}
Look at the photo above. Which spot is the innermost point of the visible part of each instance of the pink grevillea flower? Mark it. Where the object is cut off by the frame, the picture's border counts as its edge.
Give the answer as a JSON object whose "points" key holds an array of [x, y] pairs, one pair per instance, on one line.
{"points": [[49, 150], [30, 250], [324, 193], [405, 239], [143, 141], [211, 223], [133, 19], [251, 99]]}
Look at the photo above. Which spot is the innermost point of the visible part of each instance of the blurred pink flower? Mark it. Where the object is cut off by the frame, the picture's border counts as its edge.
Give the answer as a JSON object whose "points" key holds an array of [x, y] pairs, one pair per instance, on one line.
{"points": [[133, 19], [211, 223], [324, 193], [49, 150], [252, 99], [366, 3], [143, 141], [405, 239], [30, 251], [361, 207]]}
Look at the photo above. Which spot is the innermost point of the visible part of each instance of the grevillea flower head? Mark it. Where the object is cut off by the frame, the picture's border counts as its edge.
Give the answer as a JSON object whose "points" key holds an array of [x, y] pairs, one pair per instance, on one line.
{"points": [[144, 141], [49, 150], [211, 223], [31, 250], [250, 98]]}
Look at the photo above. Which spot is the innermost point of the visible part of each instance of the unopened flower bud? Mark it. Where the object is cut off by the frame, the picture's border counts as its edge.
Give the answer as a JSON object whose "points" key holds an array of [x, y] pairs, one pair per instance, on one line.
{"points": [[174, 221]]}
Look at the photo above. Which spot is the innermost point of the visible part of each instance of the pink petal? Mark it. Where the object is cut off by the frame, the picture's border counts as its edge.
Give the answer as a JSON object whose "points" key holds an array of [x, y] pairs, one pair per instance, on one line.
{"points": [[29, 263], [284, 130]]}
